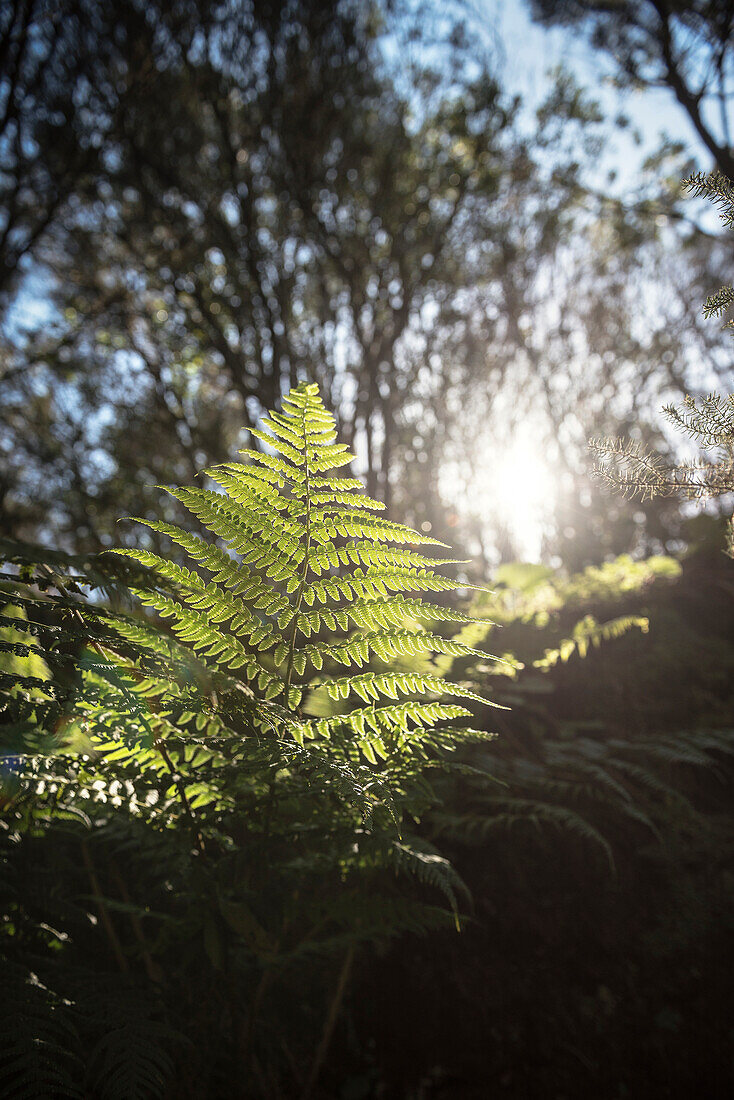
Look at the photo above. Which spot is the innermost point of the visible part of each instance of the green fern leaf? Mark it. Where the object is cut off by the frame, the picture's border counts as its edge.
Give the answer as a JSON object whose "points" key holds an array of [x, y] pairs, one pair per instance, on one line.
{"points": [[300, 552]]}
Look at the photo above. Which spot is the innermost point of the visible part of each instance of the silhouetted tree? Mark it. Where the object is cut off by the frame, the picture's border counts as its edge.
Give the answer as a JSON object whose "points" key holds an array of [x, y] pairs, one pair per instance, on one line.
{"points": [[685, 46], [274, 197]]}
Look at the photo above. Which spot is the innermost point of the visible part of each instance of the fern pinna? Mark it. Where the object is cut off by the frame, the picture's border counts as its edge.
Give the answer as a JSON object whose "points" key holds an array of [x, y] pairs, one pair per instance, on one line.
{"points": [[319, 581]]}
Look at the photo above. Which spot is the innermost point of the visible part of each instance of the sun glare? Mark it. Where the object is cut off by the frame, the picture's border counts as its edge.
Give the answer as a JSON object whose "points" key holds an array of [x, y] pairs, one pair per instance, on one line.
{"points": [[515, 493]]}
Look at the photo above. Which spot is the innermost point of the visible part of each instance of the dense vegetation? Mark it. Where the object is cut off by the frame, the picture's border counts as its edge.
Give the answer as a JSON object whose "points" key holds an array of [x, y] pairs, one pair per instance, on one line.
{"points": [[293, 820], [206, 846], [599, 862]]}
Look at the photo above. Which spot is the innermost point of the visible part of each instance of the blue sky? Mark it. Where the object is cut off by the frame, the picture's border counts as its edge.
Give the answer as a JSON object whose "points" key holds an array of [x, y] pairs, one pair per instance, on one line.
{"points": [[528, 52]]}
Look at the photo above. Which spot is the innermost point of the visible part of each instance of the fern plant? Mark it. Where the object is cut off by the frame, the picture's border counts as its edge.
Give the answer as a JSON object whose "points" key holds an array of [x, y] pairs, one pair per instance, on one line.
{"points": [[268, 716], [306, 580], [589, 780], [319, 581]]}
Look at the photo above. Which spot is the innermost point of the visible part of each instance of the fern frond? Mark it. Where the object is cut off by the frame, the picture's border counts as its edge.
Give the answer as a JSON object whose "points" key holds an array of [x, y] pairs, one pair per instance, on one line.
{"points": [[131, 1062], [588, 633], [39, 1042], [507, 813], [422, 860], [305, 553]]}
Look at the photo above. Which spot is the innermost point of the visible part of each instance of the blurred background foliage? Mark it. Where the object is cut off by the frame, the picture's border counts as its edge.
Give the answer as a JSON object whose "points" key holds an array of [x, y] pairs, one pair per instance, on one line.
{"points": [[202, 204], [205, 202]]}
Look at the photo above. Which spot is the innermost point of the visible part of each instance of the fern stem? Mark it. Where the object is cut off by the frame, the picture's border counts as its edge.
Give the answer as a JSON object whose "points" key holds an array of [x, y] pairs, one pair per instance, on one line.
{"points": [[178, 784], [249, 1028], [330, 1022], [304, 574], [104, 916], [151, 967], [299, 597]]}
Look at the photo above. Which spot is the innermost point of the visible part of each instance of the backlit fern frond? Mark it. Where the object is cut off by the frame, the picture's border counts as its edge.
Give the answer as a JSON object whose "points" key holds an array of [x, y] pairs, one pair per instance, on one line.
{"points": [[51, 635], [306, 555], [588, 632]]}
